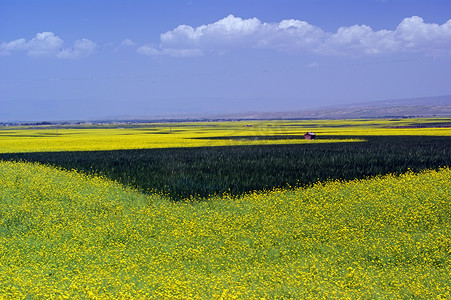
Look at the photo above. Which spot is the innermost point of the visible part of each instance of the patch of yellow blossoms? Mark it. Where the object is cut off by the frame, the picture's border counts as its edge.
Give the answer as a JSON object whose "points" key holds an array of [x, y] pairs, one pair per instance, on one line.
{"points": [[66, 235], [63, 138]]}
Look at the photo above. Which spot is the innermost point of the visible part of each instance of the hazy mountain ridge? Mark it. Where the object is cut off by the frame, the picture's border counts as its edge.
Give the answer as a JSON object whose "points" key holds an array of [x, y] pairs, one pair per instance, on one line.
{"points": [[439, 106]]}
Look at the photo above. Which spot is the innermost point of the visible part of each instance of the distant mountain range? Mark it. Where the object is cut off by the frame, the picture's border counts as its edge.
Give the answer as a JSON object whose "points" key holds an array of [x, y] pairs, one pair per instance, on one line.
{"points": [[439, 106]]}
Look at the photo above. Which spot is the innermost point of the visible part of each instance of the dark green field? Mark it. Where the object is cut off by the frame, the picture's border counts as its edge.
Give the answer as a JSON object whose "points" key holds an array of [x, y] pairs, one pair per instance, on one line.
{"points": [[185, 172]]}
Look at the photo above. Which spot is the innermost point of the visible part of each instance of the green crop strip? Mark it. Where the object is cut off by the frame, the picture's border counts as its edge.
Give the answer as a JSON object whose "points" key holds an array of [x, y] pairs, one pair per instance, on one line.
{"points": [[205, 171]]}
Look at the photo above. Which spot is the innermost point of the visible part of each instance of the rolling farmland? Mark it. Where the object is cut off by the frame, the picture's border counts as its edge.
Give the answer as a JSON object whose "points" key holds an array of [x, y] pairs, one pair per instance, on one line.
{"points": [[227, 211]]}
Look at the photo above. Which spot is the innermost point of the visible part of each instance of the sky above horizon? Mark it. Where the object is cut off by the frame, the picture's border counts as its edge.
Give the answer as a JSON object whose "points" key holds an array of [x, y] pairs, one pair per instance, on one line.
{"points": [[85, 60]]}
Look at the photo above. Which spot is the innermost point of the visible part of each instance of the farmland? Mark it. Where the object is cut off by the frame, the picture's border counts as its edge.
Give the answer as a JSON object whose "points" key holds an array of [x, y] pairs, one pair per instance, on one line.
{"points": [[199, 160], [67, 235], [221, 210]]}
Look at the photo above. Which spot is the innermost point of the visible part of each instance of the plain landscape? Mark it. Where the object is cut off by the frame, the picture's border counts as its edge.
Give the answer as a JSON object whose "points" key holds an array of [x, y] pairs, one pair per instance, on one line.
{"points": [[231, 210], [227, 149]]}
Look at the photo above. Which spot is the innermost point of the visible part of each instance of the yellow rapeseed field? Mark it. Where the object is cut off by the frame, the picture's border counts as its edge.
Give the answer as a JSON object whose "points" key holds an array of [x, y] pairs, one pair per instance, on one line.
{"points": [[66, 235], [164, 135]]}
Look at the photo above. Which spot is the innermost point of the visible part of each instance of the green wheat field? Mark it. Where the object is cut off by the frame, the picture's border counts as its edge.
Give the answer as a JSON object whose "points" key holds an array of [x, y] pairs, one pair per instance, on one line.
{"points": [[227, 210]]}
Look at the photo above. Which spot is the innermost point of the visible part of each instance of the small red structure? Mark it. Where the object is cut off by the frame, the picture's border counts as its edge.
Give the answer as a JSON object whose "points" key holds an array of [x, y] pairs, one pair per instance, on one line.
{"points": [[310, 136]]}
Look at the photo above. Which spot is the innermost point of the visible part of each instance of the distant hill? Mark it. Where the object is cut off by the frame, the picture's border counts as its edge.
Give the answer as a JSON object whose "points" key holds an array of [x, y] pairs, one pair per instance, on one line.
{"points": [[439, 106]]}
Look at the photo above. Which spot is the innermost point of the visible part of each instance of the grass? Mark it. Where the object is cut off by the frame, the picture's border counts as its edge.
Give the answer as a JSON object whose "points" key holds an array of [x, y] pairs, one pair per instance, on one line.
{"points": [[68, 235]]}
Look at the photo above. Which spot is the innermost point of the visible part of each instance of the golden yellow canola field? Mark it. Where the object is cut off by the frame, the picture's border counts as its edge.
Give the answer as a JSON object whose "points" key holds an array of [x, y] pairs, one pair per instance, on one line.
{"points": [[35, 139], [66, 235]]}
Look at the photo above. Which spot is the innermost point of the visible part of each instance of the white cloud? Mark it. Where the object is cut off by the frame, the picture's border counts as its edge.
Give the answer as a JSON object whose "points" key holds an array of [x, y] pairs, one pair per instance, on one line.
{"points": [[128, 43], [360, 40], [412, 35], [6, 48], [45, 43], [417, 36], [229, 32], [150, 50], [81, 48], [48, 44]]}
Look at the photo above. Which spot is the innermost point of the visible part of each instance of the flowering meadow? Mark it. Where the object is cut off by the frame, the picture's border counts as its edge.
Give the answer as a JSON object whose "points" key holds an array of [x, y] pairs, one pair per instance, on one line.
{"points": [[67, 235], [227, 210], [208, 134], [150, 136]]}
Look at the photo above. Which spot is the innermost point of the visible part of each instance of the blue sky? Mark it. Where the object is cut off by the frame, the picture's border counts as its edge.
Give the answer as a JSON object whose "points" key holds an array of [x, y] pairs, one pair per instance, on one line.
{"points": [[79, 60]]}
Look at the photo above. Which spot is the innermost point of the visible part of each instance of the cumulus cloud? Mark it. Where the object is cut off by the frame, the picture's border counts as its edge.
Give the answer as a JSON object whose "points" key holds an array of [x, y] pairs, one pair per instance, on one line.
{"points": [[417, 36], [412, 35], [360, 39], [45, 43], [48, 44]]}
